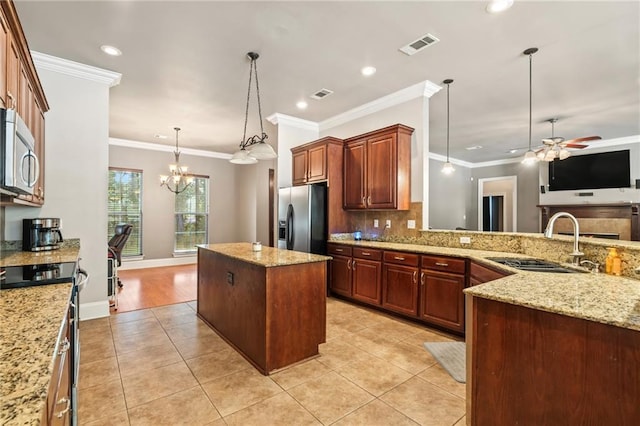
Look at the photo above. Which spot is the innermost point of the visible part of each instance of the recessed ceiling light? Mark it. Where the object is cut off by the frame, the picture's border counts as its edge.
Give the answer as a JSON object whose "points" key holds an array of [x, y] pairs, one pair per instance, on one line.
{"points": [[368, 71], [302, 105], [471, 148], [110, 50], [497, 6], [159, 136]]}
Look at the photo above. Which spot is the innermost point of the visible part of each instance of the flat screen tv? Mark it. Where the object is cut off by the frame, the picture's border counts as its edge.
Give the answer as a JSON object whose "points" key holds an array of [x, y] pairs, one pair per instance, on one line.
{"points": [[591, 171]]}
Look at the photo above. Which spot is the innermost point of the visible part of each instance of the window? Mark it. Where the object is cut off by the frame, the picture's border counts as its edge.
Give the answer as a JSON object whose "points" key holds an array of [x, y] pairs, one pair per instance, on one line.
{"points": [[192, 216], [125, 206]]}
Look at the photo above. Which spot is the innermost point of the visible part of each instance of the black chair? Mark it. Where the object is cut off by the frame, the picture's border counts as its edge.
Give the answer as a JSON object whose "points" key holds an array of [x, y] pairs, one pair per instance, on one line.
{"points": [[117, 243]]}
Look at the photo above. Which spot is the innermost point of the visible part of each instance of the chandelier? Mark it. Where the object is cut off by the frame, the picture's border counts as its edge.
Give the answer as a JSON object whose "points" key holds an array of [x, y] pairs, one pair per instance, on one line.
{"points": [[253, 148], [179, 179]]}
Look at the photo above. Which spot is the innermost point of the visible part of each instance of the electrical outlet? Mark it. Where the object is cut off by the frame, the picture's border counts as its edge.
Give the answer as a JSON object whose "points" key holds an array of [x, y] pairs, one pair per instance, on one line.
{"points": [[388, 223], [465, 240], [230, 278], [375, 223], [411, 224]]}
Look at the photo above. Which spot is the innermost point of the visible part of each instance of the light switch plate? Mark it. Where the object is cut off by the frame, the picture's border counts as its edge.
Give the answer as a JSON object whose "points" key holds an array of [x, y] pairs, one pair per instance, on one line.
{"points": [[465, 240], [388, 223], [375, 223], [411, 224]]}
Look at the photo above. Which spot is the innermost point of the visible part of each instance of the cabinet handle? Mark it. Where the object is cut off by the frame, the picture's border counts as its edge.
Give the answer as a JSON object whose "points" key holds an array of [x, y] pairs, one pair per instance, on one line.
{"points": [[13, 100], [415, 276], [353, 265], [65, 346], [63, 400], [422, 278], [369, 200], [349, 264], [398, 258], [364, 201], [364, 253], [339, 250], [442, 264]]}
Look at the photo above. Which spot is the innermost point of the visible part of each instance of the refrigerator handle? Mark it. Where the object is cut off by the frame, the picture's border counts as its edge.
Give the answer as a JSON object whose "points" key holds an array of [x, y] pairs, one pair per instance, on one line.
{"points": [[290, 236]]}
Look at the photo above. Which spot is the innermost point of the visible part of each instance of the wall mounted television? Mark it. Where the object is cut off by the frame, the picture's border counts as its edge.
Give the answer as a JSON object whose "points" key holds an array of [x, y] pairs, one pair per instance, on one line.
{"points": [[591, 171]]}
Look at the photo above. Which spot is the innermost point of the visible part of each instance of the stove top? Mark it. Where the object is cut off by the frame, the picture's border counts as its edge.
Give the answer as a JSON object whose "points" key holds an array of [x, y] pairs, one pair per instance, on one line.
{"points": [[32, 275]]}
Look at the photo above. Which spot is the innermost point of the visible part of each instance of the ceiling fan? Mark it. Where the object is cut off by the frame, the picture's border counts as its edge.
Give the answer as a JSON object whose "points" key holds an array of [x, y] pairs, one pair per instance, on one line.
{"points": [[556, 147]]}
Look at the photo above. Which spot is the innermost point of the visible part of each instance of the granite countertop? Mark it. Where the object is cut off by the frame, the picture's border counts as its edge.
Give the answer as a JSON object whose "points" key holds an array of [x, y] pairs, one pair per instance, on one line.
{"points": [[268, 257], [31, 322], [18, 258], [595, 297]]}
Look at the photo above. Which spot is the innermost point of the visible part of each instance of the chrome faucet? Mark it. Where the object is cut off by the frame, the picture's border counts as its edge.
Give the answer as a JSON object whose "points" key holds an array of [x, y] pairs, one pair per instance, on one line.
{"points": [[548, 232]]}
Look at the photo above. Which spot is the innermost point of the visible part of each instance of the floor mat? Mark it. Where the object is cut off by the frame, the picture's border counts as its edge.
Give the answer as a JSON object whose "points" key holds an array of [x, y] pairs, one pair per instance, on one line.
{"points": [[451, 356]]}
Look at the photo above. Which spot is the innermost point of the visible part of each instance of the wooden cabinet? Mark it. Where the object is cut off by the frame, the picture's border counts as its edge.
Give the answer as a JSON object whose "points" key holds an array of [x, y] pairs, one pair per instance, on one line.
{"points": [[377, 169], [400, 282], [57, 409], [479, 274], [21, 90], [367, 275], [321, 161], [442, 280], [340, 270]]}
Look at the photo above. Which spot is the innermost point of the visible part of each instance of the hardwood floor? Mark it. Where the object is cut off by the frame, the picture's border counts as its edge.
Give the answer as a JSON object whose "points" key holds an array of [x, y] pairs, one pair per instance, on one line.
{"points": [[152, 287]]}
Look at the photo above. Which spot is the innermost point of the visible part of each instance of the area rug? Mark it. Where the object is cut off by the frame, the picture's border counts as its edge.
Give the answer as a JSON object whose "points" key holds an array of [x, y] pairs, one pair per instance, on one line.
{"points": [[451, 356]]}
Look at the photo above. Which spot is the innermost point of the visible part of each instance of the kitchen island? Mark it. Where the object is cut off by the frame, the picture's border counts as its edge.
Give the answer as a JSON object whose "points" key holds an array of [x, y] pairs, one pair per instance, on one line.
{"points": [[270, 305]]}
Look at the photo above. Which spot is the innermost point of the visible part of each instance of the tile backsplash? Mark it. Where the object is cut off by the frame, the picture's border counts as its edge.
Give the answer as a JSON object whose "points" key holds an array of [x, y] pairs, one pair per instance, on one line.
{"points": [[363, 221]]}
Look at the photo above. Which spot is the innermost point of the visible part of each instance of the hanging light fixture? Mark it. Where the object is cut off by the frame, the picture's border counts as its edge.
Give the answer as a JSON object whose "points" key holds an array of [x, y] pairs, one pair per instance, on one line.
{"points": [[447, 168], [179, 179], [530, 156], [254, 148]]}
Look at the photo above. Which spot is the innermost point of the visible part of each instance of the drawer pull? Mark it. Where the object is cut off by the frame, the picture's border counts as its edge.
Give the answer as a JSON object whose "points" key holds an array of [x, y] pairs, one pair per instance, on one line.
{"points": [[64, 347], [442, 264], [398, 258], [340, 250], [364, 253], [67, 401], [415, 276]]}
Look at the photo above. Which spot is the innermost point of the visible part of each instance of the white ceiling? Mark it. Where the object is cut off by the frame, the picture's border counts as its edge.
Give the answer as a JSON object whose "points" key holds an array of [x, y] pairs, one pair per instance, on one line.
{"points": [[184, 63]]}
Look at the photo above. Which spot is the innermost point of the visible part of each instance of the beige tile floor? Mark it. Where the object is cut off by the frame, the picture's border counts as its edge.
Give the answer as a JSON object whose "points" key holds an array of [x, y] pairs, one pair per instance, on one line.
{"points": [[163, 366]]}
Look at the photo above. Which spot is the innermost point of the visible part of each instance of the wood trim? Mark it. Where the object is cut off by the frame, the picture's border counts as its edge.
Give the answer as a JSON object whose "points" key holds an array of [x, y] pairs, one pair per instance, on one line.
{"points": [[125, 169]]}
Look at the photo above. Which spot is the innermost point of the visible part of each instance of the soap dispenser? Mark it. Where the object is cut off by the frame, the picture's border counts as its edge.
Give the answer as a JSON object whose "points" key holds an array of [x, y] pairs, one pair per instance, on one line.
{"points": [[613, 262]]}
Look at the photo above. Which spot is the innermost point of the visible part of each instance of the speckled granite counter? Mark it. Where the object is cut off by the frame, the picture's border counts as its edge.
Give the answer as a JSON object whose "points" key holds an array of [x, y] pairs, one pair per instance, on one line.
{"points": [[595, 297], [18, 258], [268, 257], [31, 319]]}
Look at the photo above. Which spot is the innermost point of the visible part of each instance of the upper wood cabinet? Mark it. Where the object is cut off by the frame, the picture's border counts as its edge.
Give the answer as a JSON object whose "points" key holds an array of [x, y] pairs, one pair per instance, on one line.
{"points": [[20, 89], [377, 169]]}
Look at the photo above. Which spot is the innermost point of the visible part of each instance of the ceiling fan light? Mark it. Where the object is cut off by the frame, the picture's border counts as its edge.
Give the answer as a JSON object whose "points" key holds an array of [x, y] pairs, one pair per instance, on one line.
{"points": [[530, 158], [242, 157], [564, 154], [550, 155]]}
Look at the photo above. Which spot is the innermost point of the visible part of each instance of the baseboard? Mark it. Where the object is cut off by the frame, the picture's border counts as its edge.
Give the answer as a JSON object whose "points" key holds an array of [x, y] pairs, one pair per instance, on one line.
{"points": [[94, 310], [157, 263]]}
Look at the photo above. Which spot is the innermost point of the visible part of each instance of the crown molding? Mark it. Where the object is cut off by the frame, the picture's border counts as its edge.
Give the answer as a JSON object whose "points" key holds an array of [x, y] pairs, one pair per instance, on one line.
{"points": [[166, 148], [291, 121], [442, 158], [423, 89], [75, 69]]}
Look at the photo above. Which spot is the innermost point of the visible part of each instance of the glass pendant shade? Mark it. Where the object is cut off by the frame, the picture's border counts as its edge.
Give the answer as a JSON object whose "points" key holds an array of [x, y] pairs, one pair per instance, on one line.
{"points": [[447, 168], [262, 151], [242, 157]]}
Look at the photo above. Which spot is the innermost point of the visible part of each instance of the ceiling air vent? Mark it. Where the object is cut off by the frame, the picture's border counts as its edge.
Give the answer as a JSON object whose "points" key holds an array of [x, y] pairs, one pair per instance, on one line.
{"points": [[322, 93], [419, 44]]}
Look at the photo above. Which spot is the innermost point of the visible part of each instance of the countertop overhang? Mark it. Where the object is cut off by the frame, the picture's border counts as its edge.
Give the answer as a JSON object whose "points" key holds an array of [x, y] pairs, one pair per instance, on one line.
{"points": [[598, 297], [268, 257]]}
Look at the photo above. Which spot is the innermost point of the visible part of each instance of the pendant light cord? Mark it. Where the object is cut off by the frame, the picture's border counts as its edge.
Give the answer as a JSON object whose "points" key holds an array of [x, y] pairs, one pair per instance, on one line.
{"points": [[448, 84], [253, 68], [530, 95], [177, 151]]}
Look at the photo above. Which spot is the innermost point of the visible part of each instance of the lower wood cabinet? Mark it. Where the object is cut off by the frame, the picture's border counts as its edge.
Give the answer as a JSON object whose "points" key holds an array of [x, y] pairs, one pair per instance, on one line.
{"points": [[340, 270], [442, 300], [57, 410], [400, 282], [366, 268]]}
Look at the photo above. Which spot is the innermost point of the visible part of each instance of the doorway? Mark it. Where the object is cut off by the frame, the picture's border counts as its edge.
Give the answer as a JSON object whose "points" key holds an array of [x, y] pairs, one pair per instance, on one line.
{"points": [[502, 204]]}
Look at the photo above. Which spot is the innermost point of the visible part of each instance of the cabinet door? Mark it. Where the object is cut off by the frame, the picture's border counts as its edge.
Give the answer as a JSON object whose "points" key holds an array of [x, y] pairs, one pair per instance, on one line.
{"points": [[400, 289], [299, 168], [341, 275], [442, 300], [317, 164], [38, 134], [382, 172], [354, 175], [366, 280], [13, 73]]}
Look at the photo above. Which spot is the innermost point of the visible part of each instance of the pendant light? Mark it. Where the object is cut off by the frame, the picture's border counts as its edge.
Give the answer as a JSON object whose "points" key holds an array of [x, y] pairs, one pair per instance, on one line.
{"points": [[530, 157], [254, 148], [447, 168], [178, 179]]}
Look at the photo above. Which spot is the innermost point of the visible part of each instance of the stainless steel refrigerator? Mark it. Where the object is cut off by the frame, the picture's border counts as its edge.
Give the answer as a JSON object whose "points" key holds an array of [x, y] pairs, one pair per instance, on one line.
{"points": [[302, 218]]}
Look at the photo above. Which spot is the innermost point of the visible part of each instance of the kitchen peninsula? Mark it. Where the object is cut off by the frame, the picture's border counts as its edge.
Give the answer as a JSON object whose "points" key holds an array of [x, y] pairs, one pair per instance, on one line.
{"points": [[270, 304]]}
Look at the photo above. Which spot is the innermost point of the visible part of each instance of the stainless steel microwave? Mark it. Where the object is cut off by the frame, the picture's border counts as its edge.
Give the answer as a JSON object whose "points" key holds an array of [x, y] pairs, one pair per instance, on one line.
{"points": [[20, 165]]}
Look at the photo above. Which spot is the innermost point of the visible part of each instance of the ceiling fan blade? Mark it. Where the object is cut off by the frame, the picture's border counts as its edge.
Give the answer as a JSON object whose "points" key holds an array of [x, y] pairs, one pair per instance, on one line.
{"points": [[575, 145], [585, 139]]}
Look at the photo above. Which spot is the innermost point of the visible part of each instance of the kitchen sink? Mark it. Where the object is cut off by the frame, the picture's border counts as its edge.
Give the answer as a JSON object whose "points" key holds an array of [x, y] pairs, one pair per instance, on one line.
{"points": [[534, 265]]}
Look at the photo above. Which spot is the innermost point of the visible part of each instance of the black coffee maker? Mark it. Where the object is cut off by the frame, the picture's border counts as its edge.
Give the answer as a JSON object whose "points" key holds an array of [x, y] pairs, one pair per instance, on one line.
{"points": [[41, 234]]}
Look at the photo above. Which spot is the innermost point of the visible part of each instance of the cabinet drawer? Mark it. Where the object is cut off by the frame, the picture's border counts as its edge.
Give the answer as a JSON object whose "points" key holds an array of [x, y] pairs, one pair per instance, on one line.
{"points": [[364, 253], [338, 250], [445, 264], [401, 258]]}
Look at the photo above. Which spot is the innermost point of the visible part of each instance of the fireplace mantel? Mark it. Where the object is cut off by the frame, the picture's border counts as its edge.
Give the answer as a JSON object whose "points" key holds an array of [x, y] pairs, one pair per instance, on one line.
{"points": [[624, 211]]}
